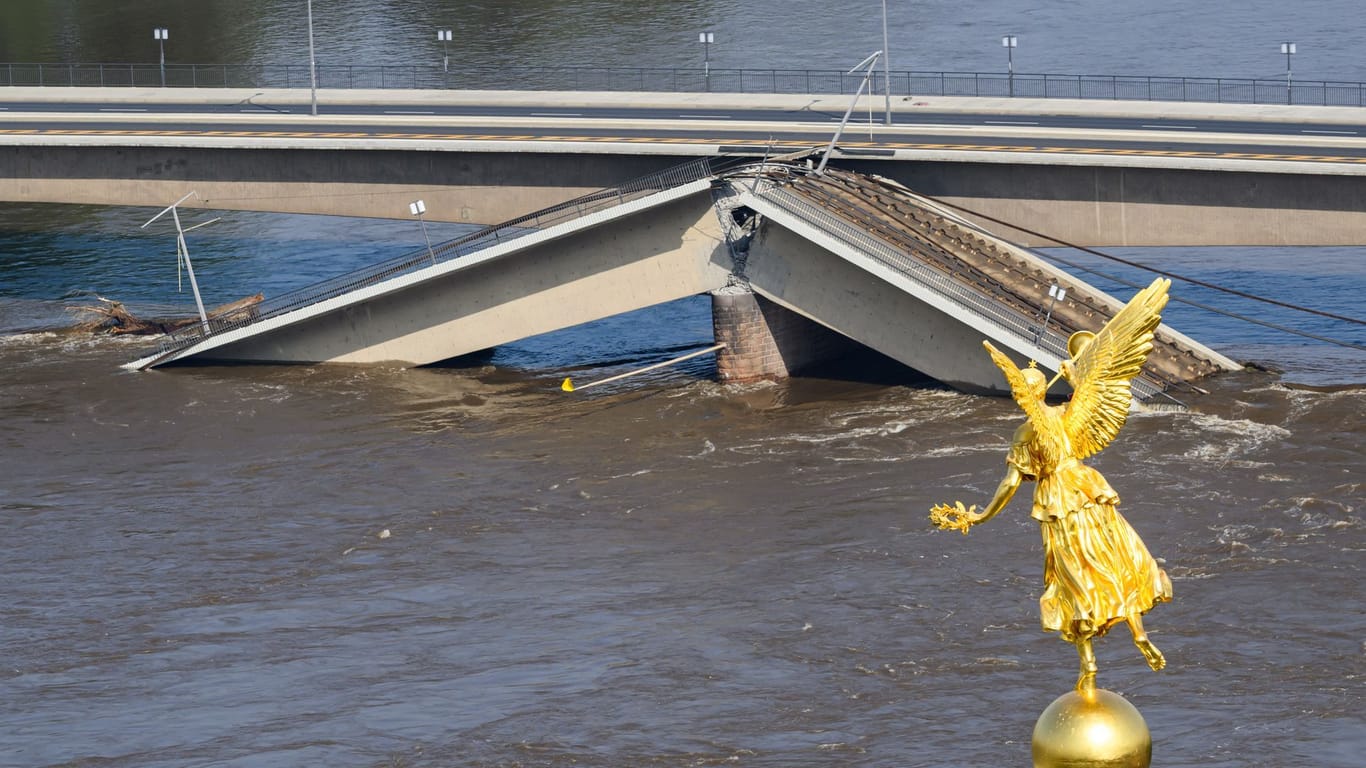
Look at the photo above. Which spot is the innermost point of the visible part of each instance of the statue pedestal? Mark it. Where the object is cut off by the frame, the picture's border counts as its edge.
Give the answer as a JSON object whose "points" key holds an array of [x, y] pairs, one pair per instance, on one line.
{"points": [[1091, 730]]}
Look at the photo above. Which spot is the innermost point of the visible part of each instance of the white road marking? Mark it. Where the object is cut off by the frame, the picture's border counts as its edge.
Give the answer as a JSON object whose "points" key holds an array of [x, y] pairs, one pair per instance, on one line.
{"points": [[1174, 127], [556, 114], [1010, 122], [408, 112], [1335, 133], [122, 109]]}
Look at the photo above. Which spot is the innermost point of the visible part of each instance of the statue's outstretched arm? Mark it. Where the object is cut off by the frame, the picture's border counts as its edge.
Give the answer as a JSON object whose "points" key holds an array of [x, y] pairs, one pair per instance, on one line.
{"points": [[1004, 492], [959, 518]]}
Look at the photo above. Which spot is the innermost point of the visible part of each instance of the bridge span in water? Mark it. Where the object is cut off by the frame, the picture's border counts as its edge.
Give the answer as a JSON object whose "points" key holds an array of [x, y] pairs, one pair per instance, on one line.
{"points": [[804, 267]]}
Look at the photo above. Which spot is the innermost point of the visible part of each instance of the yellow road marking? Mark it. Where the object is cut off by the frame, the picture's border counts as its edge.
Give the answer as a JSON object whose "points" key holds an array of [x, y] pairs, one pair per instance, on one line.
{"points": [[1004, 148]]}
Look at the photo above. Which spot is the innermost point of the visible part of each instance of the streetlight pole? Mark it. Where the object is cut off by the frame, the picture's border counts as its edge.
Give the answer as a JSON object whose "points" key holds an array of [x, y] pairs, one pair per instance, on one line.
{"points": [[161, 35], [183, 251], [886, 68], [444, 35], [417, 208], [1289, 50], [871, 64], [706, 39], [312, 62], [1009, 42]]}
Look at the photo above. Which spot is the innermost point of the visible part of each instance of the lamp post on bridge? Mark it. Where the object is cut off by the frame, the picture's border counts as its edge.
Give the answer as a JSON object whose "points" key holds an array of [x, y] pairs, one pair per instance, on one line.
{"points": [[1289, 50], [886, 68], [312, 61], [1009, 42], [417, 208], [444, 35], [161, 35], [706, 39]]}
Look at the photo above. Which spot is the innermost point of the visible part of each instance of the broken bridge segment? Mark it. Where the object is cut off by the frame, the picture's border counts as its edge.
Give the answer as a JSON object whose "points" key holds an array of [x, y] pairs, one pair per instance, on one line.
{"points": [[906, 277], [648, 241], [860, 256]]}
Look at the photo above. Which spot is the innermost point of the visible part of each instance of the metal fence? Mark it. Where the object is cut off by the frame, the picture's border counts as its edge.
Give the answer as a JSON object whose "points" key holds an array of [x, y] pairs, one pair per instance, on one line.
{"points": [[659, 79]]}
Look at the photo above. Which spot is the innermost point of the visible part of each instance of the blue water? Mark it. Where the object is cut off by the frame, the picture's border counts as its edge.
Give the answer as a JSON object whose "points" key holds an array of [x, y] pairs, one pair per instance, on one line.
{"points": [[1099, 37]]}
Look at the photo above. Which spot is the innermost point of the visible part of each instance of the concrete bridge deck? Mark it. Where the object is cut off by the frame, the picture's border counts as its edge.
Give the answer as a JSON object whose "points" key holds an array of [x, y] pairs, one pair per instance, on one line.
{"points": [[859, 256], [1088, 172]]}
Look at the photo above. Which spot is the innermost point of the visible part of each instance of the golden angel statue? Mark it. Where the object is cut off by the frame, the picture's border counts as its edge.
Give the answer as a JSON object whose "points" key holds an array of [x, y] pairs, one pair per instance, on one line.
{"points": [[1097, 573]]}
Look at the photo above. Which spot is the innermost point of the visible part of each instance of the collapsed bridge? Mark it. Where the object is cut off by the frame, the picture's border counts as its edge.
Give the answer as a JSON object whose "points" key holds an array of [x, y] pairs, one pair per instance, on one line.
{"points": [[802, 266]]}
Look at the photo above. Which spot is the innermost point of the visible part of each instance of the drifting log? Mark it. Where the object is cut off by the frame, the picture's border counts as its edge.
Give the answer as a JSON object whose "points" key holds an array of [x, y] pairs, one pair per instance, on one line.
{"points": [[110, 316]]}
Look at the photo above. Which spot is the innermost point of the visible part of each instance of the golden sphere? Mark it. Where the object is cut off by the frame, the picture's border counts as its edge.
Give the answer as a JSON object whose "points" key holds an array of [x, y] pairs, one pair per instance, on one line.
{"points": [[1091, 730]]}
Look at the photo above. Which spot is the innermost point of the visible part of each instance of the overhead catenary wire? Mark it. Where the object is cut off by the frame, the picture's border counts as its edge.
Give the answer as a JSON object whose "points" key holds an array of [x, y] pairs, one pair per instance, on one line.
{"points": [[1216, 310], [1154, 270], [1174, 276]]}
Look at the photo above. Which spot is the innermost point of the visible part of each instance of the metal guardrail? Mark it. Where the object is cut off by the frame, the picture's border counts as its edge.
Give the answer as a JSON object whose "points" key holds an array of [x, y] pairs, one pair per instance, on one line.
{"points": [[412, 261], [998, 312], [1228, 90]]}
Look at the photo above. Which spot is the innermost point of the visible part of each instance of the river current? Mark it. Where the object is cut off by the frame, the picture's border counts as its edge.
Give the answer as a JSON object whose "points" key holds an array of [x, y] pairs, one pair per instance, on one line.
{"points": [[384, 566]]}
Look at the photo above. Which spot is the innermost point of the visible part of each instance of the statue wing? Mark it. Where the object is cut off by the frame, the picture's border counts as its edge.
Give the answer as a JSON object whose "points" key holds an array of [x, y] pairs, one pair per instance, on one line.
{"points": [[1032, 406], [1103, 370]]}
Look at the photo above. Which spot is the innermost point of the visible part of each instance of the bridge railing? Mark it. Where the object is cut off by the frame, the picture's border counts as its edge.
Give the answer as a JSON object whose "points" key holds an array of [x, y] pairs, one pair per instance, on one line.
{"points": [[446, 251], [997, 311], [663, 79]]}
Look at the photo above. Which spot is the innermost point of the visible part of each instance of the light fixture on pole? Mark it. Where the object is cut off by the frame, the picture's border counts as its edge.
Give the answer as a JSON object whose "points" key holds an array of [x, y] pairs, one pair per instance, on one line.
{"points": [[706, 39], [161, 35], [871, 64], [1056, 293], [444, 35], [886, 68], [312, 62], [183, 252], [417, 208], [1289, 50], [1009, 42]]}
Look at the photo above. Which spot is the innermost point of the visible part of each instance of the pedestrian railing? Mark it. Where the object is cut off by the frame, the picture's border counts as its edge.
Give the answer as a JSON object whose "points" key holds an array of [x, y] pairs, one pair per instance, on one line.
{"points": [[412, 261], [661, 79]]}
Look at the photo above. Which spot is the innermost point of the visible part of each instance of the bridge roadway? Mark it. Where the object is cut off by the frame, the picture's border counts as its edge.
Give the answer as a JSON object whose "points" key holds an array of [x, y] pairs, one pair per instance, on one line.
{"points": [[1089, 172]]}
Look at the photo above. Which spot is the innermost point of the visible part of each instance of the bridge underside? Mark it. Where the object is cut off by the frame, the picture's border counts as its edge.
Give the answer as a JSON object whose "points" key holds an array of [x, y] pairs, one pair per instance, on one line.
{"points": [[1092, 205]]}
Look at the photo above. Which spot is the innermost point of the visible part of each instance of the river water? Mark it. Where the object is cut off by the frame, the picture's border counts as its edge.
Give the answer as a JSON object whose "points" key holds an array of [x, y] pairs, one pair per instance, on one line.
{"points": [[667, 572], [1094, 37]]}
